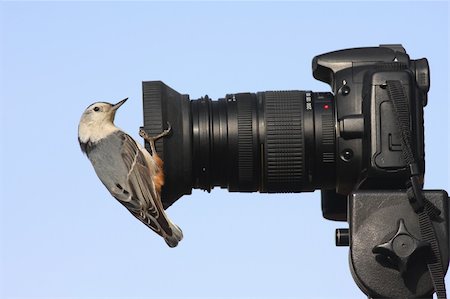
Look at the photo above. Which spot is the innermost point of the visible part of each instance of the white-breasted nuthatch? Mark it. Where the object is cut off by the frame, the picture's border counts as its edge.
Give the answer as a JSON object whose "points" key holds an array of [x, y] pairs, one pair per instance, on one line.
{"points": [[130, 173]]}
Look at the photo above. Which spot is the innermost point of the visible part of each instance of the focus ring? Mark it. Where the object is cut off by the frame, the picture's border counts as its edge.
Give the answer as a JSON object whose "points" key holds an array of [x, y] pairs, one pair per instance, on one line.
{"points": [[246, 143], [284, 144]]}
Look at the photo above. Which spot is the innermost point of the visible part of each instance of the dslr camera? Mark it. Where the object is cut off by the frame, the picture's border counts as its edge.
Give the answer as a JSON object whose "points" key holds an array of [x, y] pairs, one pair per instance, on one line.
{"points": [[362, 145]]}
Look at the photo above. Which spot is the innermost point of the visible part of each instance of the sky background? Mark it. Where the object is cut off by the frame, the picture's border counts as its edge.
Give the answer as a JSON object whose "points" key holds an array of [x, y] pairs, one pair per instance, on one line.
{"points": [[61, 233]]}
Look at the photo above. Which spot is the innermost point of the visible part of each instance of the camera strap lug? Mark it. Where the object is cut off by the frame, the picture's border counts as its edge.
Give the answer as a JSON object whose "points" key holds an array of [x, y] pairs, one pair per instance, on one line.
{"points": [[425, 210]]}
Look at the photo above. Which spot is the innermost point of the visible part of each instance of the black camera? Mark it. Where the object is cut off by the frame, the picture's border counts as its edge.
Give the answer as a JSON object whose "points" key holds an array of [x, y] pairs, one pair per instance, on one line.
{"points": [[362, 145]]}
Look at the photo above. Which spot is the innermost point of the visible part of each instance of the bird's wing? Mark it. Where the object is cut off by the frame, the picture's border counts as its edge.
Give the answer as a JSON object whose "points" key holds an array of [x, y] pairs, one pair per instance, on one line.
{"points": [[142, 201]]}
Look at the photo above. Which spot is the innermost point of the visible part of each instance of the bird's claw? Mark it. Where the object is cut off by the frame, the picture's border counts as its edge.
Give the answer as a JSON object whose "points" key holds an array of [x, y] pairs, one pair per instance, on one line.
{"points": [[153, 139], [166, 131], [143, 134], [149, 138]]}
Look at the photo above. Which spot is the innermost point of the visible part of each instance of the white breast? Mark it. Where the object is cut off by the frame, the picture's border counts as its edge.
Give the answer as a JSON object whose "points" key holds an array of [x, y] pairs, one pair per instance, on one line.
{"points": [[94, 131]]}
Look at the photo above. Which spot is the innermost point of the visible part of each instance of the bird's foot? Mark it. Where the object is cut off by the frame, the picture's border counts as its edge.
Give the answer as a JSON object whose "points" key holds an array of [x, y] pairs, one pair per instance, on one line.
{"points": [[153, 139], [149, 138]]}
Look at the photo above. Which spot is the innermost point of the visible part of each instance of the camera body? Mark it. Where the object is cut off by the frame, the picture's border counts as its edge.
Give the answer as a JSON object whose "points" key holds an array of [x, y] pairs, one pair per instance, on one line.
{"points": [[368, 145]]}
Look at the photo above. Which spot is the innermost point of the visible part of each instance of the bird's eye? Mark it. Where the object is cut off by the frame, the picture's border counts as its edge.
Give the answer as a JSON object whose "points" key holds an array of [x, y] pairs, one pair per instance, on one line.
{"points": [[96, 109]]}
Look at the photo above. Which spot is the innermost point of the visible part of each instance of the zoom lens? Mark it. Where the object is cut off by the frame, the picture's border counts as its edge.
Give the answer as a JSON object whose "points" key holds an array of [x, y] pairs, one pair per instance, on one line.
{"points": [[275, 141]]}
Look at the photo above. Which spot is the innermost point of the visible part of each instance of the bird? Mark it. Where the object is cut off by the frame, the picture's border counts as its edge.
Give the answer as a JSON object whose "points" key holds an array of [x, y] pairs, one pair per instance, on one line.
{"points": [[132, 175]]}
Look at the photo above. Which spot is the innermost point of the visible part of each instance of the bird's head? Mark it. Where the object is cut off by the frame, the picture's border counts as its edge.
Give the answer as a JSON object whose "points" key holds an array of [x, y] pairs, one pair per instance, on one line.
{"points": [[96, 117], [101, 112]]}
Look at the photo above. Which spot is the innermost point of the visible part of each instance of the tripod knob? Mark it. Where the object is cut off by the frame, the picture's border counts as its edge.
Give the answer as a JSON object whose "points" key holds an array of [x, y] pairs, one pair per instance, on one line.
{"points": [[399, 250]]}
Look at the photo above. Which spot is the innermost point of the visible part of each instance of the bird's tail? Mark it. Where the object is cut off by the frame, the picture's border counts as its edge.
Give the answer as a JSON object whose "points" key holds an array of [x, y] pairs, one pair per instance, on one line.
{"points": [[176, 236]]}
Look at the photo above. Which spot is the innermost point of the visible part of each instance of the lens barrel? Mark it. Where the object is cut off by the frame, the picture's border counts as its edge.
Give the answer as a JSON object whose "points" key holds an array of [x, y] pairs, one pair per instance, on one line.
{"points": [[274, 141], [225, 143]]}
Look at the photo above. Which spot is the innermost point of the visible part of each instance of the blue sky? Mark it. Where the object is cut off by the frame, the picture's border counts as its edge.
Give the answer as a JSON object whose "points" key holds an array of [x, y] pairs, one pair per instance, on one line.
{"points": [[63, 236]]}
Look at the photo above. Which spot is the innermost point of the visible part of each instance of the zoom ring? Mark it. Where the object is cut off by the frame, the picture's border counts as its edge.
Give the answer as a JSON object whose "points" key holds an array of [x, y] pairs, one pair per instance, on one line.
{"points": [[284, 144]]}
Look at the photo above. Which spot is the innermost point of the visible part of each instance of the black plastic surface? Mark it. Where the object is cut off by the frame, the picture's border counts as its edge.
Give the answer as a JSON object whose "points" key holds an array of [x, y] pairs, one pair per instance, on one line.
{"points": [[374, 220], [161, 104]]}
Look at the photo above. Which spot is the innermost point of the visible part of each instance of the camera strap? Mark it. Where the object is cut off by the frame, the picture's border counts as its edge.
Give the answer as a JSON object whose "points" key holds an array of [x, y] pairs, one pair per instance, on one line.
{"points": [[425, 210]]}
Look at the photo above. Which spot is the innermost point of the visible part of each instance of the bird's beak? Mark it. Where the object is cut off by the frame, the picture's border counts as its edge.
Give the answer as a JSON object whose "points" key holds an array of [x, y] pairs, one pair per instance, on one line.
{"points": [[116, 106]]}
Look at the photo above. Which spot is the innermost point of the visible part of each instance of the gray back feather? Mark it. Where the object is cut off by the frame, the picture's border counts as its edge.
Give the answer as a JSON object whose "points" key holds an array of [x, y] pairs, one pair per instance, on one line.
{"points": [[123, 169]]}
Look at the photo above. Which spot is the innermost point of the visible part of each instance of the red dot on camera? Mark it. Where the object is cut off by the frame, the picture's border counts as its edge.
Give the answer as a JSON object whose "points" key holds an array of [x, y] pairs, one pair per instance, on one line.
{"points": [[326, 106]]}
